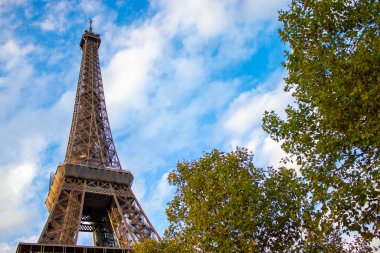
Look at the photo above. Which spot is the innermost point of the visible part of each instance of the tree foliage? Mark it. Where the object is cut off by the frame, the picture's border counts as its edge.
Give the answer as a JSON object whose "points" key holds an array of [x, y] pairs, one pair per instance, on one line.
{"points": [[154, 246], [224, 203], [209, 202], [333, 130]]}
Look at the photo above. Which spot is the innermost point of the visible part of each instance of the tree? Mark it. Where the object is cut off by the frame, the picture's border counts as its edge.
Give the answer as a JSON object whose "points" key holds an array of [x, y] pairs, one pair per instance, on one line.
{"points": [[223, 203], [153, 246], [214, 200], [332, 132]]}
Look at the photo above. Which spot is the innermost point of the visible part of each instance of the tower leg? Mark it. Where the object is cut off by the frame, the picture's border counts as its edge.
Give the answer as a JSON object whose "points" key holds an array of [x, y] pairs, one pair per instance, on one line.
{"points": [[137, 223], [62, 226], [119, 228], [103, 234]]}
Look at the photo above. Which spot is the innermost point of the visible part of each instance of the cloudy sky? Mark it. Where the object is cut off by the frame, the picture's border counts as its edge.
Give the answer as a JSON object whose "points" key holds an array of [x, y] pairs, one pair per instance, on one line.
{"points": [[180, 78]]}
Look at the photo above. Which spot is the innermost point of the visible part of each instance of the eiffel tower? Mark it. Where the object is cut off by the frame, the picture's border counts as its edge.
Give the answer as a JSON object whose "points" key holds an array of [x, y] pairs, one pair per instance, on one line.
{"points": [[90, 192]]}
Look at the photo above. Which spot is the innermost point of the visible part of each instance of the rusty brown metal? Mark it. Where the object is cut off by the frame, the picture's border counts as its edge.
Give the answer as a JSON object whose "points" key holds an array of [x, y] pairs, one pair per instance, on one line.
{"points": [[90, 141], [90, 191]]}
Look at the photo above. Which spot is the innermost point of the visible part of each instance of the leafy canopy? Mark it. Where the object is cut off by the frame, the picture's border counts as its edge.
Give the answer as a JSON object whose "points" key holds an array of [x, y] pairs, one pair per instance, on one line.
{"points": [[223, 203], [333, 130]]}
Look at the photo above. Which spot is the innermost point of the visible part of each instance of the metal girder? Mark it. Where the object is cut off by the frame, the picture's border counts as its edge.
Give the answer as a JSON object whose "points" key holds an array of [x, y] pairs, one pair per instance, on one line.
{"points": [[91, 141], [109, 210], [63, 223], [52, 248], [86, 227]]}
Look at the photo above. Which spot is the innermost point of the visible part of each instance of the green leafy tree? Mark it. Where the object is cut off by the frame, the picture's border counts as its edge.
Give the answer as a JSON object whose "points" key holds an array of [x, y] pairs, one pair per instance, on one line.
{"points": [[215, 202], [154, 246], [224, 203], [333, 131]]}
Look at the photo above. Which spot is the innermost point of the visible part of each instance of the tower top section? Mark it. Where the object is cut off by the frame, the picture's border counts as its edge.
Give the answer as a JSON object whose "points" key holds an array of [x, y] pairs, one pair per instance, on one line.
{"points": [[89, 35], [90, 142]]}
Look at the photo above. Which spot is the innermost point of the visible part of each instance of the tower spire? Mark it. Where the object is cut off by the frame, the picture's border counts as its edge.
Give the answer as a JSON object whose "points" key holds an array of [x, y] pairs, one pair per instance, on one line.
{"points": [[90, 28]]}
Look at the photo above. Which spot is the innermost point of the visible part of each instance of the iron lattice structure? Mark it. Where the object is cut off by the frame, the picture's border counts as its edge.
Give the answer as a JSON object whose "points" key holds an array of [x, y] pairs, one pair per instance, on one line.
{"points": [[90, 192], [90, 141]]}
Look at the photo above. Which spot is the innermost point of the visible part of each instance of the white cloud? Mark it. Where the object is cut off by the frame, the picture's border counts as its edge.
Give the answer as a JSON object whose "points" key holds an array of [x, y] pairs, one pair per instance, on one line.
{"points": [[157, 202], [127, 77], [271, 153], [17, 195], [15, 182], [172, 53], [11, 2], [242, 121], [6, 5], [91, 6], [26, 131], [11, 53], [207, 18], [258, 11], [57, 16], [6, 248], [10, 247]]}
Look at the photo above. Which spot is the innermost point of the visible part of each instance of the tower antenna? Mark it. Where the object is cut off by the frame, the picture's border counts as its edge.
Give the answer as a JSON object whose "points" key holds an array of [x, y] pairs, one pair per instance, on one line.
{"points": [[90, 29]]}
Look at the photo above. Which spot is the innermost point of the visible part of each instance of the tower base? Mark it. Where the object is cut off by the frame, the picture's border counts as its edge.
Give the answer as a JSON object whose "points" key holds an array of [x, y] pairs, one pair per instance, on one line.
{"points": [[49, 248]]}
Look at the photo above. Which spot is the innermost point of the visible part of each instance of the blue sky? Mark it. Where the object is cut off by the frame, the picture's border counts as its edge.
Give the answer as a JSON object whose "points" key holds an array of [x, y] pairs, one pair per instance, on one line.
{"points": [[180, 78]]}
